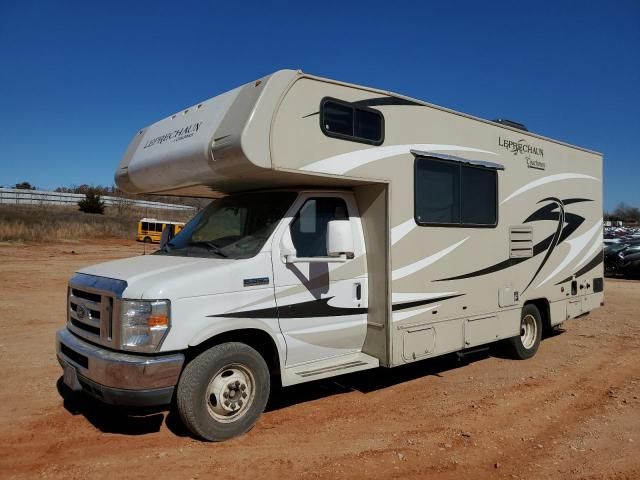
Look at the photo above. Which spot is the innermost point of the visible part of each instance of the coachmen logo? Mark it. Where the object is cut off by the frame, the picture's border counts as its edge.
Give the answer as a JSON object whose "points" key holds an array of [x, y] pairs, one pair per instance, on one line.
{"points": [[523, 148]]}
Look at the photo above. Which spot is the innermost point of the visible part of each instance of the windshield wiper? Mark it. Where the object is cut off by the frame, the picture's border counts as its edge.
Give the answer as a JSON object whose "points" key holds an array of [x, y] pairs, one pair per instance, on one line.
{"points": [[212, 247]]}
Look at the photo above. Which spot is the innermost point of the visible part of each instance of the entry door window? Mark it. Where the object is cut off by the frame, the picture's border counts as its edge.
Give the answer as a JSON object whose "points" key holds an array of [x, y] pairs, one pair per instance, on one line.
{"points": [[309, 227]]}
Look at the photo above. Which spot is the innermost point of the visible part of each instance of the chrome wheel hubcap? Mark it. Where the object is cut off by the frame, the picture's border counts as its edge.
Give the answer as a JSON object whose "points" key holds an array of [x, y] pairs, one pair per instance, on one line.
{"points": [[528, 331], [230, 393]]}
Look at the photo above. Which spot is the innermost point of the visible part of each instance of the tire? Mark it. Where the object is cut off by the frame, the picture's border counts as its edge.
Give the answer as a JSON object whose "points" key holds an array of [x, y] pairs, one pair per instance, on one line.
{"points": [[526, 344], [223, 391], [147, 240]]}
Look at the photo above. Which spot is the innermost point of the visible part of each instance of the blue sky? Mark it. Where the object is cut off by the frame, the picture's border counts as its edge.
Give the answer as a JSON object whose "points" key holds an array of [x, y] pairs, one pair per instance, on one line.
{"points": [[78, 79]]}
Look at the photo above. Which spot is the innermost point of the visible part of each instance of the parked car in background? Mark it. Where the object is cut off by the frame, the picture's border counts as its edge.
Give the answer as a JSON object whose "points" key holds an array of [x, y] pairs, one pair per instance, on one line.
{"points": [[622, 259]]}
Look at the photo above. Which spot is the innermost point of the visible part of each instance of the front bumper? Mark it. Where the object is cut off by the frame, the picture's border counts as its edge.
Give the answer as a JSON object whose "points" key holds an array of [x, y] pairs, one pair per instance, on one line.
{"points": [[114, 377]]}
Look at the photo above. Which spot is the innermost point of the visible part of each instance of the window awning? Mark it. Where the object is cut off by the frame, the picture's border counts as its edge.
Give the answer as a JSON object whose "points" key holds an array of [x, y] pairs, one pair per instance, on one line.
{"points": [[452, 158]]}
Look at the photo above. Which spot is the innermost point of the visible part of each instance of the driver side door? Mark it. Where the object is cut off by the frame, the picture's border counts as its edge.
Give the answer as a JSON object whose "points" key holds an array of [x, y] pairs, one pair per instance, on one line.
{"points": [[322, 303]]}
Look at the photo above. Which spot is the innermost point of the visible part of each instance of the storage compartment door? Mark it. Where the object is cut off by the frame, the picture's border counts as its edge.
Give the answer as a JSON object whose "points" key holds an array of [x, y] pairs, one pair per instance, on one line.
{"points": [[418, 342]]}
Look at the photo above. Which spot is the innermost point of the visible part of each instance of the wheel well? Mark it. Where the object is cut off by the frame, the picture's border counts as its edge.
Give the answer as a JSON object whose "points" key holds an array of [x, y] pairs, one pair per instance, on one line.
{"points": [[542, 304], [256, 339]]}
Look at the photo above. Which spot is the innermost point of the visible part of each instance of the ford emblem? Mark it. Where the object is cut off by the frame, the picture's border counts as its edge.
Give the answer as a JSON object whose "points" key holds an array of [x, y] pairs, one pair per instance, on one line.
{"points": [[82, 311]]}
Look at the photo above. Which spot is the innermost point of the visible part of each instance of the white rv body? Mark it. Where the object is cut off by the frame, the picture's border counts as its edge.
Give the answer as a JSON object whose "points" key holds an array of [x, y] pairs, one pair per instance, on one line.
{"points": [[417, 280]]}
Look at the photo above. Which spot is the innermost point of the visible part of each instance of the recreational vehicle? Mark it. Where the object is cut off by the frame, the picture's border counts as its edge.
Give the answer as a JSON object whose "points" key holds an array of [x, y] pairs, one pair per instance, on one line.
{"points": [[353, 228]]}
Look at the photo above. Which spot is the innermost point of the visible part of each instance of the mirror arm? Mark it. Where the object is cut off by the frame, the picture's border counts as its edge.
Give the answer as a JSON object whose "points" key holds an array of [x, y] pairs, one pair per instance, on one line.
{"points": [[293, 259]]}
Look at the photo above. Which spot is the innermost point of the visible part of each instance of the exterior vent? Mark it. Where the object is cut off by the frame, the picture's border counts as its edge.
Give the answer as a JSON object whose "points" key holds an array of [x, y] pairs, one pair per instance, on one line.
{"points": [[512, 124], [520, 242]]}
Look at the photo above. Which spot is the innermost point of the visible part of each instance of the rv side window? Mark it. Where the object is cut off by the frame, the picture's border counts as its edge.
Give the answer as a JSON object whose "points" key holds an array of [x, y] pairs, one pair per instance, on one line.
{"points": [[309, 226], [348, 122], [437, 192], [479, 195], [338, 118], [368, 124], [449, 193]]}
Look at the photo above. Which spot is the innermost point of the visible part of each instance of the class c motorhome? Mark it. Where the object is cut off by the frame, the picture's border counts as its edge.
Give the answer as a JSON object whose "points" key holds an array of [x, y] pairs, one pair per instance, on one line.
{"points": [[353, 228]]}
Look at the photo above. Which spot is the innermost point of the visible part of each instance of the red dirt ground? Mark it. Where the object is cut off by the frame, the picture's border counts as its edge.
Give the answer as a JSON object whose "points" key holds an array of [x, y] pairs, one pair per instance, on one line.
{"points": [[573, 411]]}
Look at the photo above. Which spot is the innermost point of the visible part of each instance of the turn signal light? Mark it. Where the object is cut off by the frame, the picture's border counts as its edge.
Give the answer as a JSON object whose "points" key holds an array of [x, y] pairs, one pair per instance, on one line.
{"points": [[158, 321]]}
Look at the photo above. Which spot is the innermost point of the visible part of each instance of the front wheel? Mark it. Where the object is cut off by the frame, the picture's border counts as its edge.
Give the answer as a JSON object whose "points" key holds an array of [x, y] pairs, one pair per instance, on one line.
{"points": [[223, 391], [526, 345]]}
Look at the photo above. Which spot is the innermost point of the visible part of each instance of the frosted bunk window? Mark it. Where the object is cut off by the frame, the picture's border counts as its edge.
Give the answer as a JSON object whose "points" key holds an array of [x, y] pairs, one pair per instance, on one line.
{"points": [[346, 121], [454, 194]]}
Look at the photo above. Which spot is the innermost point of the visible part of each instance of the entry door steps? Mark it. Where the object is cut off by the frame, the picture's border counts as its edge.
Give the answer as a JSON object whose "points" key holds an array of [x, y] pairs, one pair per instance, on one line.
{"points": [[330, 367]]}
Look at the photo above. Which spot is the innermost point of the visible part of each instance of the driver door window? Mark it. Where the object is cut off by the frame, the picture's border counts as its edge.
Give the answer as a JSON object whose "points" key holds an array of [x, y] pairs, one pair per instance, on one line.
{"points": [[309, 226]]}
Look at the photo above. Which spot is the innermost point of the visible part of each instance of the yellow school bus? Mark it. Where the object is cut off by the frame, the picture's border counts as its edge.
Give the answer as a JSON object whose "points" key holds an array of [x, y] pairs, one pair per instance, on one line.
{"points": [[150, 229]]}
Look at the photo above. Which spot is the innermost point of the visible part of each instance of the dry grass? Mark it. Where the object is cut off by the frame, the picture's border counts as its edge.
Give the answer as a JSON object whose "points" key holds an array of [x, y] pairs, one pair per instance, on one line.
{"points": [[44, 223]]}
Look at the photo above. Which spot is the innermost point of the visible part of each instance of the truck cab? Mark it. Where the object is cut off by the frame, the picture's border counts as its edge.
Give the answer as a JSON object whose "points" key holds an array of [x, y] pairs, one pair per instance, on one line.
{"points": [[277, 276]]}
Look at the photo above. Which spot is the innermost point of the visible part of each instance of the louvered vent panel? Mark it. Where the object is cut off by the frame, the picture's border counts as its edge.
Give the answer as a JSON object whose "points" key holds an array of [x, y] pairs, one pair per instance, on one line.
{"points": [[520, 242]]}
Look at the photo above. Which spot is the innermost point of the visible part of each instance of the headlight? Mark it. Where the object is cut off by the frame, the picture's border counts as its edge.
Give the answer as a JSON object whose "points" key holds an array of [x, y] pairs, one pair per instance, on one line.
{"points": [[144, 324]]}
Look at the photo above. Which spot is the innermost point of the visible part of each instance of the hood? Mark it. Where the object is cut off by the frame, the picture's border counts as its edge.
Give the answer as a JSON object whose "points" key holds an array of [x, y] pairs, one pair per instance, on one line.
{"points": [[173, 277]]}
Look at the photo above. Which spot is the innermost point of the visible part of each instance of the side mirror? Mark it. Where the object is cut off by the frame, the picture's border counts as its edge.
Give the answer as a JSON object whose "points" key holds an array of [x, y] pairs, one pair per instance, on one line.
{"points": [[287, 250], [339, 238]]}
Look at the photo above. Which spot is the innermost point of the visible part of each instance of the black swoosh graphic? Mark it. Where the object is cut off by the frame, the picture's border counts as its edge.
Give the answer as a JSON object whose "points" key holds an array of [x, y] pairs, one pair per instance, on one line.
{"points": [[547, 212], [554, 241], [594, 262], [384, 101], [490, 269], [319, 308], [402, 306], [311, 308], [377, 102]]}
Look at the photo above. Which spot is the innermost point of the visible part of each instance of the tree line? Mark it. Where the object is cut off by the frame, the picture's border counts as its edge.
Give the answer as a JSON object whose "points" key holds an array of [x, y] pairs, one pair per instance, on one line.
{"points": [[624, 213]]}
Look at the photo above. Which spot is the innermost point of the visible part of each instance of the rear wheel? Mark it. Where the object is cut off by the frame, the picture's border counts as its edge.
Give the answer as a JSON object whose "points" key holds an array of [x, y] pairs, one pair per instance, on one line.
{"points": [[223, 391], [526, 345]]}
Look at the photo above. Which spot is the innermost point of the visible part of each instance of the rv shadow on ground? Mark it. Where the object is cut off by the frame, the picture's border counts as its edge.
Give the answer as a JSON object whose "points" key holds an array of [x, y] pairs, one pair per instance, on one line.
{"points": [[371, 380], [140, 421], [109, 418]]}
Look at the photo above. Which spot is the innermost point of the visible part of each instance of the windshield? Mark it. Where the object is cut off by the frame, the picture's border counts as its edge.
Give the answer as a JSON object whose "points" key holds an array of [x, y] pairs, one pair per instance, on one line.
{"points": [[232, 227]]}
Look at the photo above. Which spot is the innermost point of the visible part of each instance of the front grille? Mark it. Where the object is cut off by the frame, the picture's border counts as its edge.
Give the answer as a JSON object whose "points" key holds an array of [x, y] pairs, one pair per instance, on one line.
{"points": [[94, 313], [91, 308], [85, 327], [85, 313], [92, 297]]}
